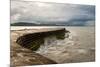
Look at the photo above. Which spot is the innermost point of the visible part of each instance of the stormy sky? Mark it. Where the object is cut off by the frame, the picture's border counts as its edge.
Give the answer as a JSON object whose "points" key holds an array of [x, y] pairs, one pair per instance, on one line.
{"points": [[50, 13]]}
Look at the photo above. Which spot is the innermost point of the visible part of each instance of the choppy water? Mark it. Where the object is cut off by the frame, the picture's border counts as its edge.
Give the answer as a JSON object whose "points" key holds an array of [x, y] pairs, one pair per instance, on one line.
{"points": [[53, 44], [77, 46]]}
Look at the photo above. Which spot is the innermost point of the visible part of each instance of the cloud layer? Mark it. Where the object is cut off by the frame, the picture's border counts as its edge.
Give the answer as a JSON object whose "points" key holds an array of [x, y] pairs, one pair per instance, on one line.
{"points": [[49, 13]]}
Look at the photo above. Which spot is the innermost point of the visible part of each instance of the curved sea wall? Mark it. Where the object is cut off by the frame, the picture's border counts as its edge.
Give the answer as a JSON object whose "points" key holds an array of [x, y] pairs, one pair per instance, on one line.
{"points": [[34, 40]]}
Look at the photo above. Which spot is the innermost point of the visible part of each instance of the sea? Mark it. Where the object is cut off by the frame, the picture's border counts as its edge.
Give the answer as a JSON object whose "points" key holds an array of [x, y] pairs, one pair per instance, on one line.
{"points": [[78, 47]]}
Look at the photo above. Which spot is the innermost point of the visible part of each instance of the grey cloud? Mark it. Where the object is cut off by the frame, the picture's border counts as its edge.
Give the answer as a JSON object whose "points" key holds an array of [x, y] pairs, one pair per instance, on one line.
{"points": [[51, 12]]}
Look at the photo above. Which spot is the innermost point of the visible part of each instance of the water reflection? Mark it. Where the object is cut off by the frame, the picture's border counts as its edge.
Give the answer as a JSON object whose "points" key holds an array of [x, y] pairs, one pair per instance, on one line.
{"points": [[34, 41]]}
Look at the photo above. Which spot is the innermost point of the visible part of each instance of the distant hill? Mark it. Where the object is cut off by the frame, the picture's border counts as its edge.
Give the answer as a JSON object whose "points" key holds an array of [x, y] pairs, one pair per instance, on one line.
{"points": [[44, 24], [23, 24], [31, 24]]}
